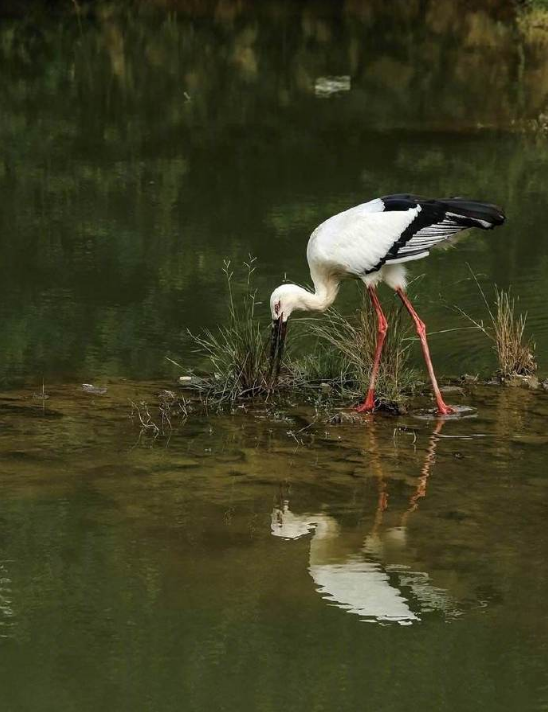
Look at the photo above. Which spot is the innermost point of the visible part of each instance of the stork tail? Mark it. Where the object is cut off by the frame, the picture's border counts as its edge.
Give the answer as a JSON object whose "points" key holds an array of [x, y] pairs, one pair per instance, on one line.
{"points": [[472, 213]]}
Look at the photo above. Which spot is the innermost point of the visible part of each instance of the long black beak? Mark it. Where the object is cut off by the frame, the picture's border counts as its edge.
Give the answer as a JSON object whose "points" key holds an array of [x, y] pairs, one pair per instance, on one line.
{"points": [[279, 332]]}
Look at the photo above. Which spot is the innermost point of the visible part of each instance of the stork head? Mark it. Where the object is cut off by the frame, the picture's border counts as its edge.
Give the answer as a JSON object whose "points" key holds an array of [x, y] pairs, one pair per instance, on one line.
{"points": [[283, 301], [287, 525]]}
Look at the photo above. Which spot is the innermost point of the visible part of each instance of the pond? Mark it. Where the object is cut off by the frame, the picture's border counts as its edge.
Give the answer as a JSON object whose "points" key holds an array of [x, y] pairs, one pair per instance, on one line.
{"points": [[243, 560], [259, 561]]}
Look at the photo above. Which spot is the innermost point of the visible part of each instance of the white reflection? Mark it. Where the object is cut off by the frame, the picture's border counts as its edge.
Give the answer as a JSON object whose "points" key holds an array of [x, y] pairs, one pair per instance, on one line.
{"points": [[369, 581], [6, 610], [325, 87]]}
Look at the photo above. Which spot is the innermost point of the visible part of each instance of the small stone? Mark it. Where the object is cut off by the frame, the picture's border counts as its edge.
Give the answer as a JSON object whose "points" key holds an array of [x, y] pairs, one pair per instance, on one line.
{"points": [[343, 417], [194, 381], [452, 389], [93, 390], [467, 378], [517, 381]]}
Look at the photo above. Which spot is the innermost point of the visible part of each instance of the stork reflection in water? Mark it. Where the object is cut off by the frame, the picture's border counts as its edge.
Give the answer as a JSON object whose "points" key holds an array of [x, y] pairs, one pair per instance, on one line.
{"points": [[363, 582]]}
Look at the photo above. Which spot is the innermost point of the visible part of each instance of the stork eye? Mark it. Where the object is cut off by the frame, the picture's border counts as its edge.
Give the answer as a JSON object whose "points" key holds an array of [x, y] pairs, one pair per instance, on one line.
{"points": [[277, 308]]}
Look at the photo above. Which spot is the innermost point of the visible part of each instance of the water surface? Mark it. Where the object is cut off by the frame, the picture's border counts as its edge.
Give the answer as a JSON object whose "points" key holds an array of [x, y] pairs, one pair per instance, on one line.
{"points": [[260, 561], [240, 559], [139, 151]]}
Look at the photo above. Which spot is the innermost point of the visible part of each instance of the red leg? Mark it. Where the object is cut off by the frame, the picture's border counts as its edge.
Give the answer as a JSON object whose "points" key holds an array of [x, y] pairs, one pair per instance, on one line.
{"points": [[382, 325], [421, 331]]}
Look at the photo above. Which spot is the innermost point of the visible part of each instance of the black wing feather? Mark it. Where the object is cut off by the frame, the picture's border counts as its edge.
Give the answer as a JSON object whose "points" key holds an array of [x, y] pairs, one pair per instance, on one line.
{"points": [[437, 220]]}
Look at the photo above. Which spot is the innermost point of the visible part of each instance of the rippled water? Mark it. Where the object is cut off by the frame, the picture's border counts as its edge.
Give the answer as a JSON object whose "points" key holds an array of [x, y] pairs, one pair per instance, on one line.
{"points": [[251, 561]]}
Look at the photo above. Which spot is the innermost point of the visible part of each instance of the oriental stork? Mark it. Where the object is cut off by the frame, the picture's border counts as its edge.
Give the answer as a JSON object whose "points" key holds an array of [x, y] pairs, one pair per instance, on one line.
{"points": [[372, 242]]}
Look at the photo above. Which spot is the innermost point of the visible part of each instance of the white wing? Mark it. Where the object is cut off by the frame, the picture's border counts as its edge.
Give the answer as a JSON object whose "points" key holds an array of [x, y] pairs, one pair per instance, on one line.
{"points": [[356, 240], [393, 229]]}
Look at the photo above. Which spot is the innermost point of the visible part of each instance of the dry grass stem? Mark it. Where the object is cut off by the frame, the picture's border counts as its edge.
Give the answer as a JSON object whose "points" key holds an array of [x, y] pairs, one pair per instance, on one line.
{"points": [[515, 351], [347, 351], [170, 406]]}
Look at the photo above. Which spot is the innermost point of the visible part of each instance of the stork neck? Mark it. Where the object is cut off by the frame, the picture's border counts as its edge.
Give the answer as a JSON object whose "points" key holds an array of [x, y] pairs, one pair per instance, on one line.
{"points": [[326, 290]]}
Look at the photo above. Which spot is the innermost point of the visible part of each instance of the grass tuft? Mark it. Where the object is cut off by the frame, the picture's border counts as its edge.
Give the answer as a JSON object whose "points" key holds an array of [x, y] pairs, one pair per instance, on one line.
{"points": [[236, 353], [515, 351], [347, 348]]}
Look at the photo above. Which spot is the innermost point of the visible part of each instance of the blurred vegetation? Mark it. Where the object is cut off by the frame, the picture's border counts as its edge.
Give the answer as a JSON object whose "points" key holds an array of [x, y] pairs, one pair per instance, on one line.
{"points": [[141, 143]]}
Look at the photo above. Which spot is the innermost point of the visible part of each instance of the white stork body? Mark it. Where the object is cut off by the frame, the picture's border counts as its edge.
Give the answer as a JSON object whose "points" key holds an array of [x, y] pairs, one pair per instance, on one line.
{"points": [[355, 241], [372, 242]]}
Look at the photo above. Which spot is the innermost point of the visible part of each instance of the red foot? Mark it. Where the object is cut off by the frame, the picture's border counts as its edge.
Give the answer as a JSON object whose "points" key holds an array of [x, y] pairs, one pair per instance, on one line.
{"points": [[445, 410], [368, 406]]}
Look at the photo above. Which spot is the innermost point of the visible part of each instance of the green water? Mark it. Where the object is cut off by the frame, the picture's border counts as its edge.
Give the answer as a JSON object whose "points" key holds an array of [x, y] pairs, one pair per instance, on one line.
{"points": [[245, 563], [251, 562]]}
